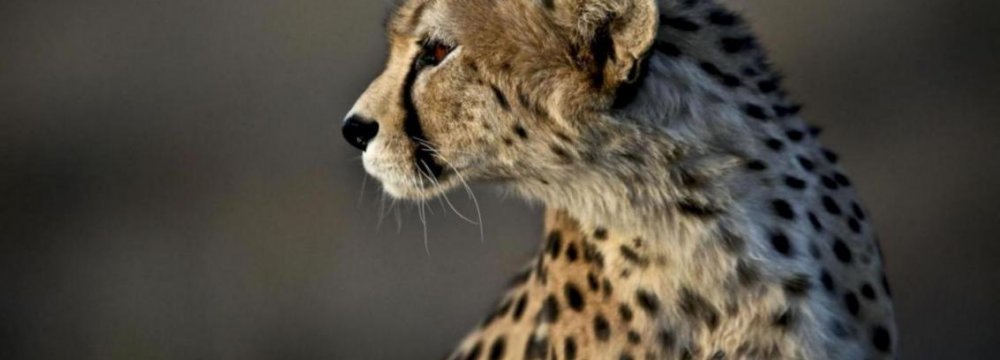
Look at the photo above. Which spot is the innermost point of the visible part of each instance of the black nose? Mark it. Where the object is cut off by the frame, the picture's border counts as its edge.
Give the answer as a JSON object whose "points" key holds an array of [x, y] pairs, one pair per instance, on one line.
{"points": [[359, 131]]}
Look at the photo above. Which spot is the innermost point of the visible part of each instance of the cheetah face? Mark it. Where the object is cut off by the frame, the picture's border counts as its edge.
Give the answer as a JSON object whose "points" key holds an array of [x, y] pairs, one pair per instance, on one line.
{"points": [[496, 91]]}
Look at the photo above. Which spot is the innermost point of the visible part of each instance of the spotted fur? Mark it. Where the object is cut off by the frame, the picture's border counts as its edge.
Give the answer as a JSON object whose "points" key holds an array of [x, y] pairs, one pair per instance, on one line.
{"points": [[693, 214]]}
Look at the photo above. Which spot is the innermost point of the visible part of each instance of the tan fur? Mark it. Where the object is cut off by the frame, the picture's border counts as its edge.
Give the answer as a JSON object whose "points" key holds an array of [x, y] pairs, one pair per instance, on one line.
{"points": [[662, 195]]}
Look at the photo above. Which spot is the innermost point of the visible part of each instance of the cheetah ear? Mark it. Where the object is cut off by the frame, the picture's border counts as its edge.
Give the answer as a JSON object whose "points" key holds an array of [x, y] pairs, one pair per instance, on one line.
{"points": [[611, 37]]}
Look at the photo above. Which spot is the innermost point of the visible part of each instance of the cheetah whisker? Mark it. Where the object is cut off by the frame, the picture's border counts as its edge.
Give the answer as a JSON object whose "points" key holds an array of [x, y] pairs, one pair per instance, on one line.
{"points": [[468, 191]]}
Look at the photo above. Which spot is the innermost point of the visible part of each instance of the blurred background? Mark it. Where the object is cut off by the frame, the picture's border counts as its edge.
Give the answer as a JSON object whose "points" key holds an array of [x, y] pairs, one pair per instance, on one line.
{"points": [[173, 184]]}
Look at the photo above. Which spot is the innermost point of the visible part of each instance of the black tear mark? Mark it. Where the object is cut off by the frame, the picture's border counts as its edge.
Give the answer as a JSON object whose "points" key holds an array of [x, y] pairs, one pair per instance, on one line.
{"points": [[423, 154]]}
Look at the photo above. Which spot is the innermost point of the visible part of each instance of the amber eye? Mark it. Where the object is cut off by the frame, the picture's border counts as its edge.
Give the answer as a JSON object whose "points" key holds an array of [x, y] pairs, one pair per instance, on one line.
{"points": [[433, 53]]}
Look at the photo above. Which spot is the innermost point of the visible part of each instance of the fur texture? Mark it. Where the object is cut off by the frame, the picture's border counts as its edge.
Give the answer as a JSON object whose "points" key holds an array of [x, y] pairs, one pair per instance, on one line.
{"points": [[693, 214]]}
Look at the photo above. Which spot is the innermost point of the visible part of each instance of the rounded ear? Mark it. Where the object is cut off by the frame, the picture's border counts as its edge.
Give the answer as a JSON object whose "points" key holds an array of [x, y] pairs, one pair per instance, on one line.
{"points": [[613, 37]]}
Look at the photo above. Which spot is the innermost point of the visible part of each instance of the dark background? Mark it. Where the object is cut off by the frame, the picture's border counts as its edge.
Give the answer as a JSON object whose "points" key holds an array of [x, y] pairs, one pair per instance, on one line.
{"points": [[173, 184]]}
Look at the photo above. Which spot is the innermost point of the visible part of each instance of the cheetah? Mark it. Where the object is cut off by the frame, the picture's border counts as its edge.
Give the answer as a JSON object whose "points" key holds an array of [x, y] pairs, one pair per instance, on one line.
{"points": [[691, 212]]}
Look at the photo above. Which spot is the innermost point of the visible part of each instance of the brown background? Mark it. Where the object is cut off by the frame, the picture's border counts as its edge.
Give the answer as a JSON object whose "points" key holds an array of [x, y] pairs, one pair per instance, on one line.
{"points": [[173, 184]]}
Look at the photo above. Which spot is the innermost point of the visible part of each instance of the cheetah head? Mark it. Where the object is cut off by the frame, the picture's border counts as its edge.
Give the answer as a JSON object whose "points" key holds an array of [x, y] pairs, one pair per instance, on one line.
{"points": [[511, 92]]}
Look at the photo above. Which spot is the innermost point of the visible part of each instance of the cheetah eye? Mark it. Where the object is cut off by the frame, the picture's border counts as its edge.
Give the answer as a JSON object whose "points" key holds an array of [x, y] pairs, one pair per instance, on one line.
{"points": [[432, 53]]}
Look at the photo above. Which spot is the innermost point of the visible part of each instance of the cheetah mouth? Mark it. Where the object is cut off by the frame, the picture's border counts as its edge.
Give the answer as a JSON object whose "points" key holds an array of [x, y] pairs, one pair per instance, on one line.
{"points": [[418, 185]]}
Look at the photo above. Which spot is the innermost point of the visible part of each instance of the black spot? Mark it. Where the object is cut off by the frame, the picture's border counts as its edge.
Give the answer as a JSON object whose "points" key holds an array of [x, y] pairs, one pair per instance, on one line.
{"points": [[601, 233], [501, 98], [858, 212], [569, 348], [573, 296], [775, 144], [818, 226], [548, 4], [815, 131], [633, 337], [881, 339], [783, 209], [781, 111], [680, 23], [798, 285], [561, 153], [826, 280], [554, 246], [852, 304], [475, 351], [829, 183], [697, 307], [854, 225], [522, 302], [550, 310], [536, 348], [754, 111], [756, 165], [768, 86], [795, 183], [830, 156], [498, 348], [781, 244], [734, 45], [542, 274], [648, 302], [722, 18], [592, 255], [710, 68], [784, 319], [521, 133], [841, 179], [730, 80], [608, 289], [602, 329], [831, 206], [572, 253], [592, 281], [806, 164], [625, 312], [633, 257], [868, 291], [666, 339], [667, 48], [842, 252], [625, 356], [719, 355], [693, 209], [795, 135]]}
